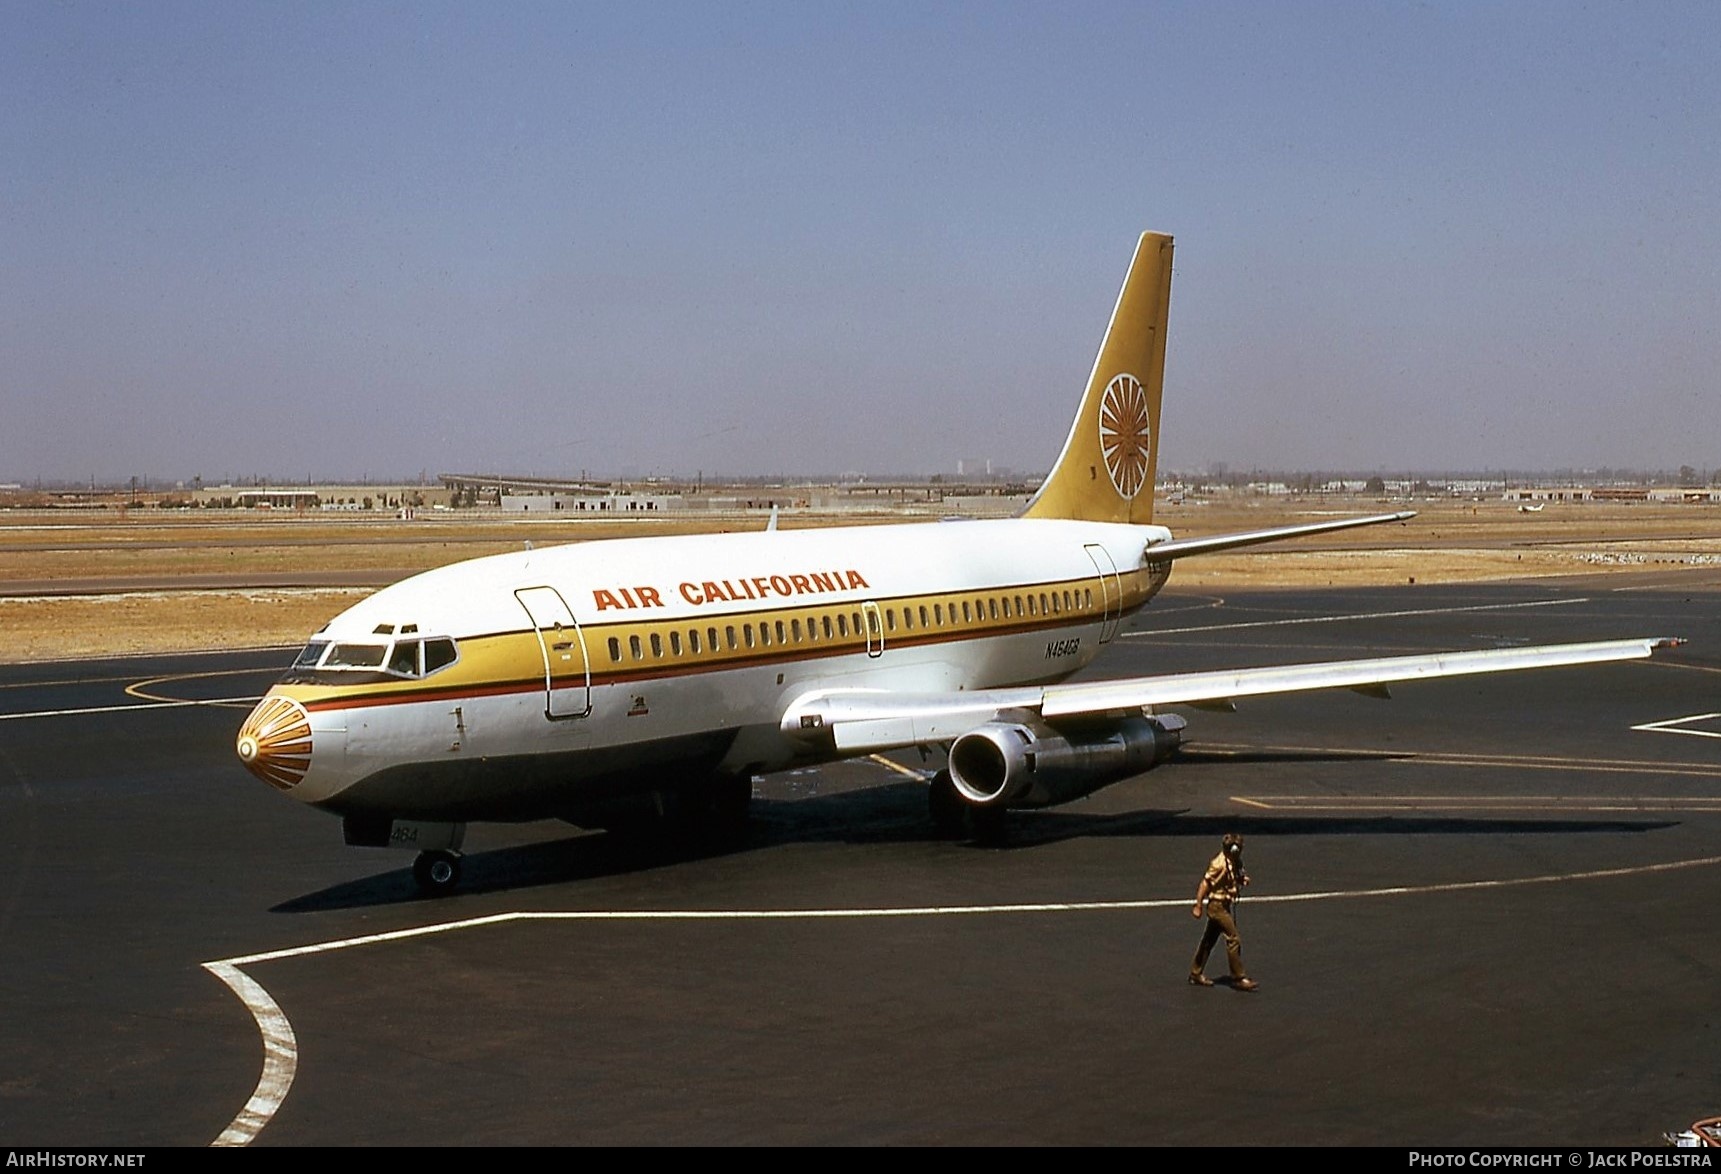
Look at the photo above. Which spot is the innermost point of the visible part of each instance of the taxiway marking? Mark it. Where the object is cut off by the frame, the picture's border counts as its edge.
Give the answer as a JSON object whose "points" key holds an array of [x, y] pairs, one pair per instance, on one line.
{"points": [[1670, 726], [1704, 770], [281, 1049], [1625, 803], [1148, 633], [12, 717]]}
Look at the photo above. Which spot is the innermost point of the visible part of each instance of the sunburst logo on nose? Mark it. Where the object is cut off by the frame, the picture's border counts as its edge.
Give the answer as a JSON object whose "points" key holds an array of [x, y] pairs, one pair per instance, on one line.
{"points": [[1126, 434], [275, 742]]}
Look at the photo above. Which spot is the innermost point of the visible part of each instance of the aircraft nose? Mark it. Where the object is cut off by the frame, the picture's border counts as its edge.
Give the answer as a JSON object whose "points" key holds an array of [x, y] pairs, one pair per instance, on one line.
{"points": [[275, 742]]}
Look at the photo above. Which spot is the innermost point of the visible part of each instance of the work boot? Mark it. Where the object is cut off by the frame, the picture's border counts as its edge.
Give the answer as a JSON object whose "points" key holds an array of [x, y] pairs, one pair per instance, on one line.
{"points": [[1199, 979], [1245, 984]]}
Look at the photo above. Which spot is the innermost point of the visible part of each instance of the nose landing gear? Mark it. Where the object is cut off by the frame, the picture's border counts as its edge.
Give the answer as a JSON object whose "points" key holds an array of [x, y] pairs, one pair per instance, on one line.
{"points": [[437, 873]]}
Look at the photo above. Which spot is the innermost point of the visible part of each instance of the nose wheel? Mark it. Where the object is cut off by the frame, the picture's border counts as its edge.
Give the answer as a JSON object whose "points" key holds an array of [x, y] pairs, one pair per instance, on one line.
{"points": [[437, 873]]}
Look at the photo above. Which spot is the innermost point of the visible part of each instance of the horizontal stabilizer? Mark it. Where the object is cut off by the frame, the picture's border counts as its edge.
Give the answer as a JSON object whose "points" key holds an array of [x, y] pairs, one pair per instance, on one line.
{"points": [[1184, 547]]}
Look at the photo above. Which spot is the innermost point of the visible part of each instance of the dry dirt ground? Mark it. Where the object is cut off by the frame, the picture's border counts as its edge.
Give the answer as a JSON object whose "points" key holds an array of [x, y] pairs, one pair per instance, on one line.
{"points": [[93, 584]]}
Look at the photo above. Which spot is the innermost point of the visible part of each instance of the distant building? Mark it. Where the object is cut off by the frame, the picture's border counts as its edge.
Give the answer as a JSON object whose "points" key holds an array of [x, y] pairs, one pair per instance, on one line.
{"points": [[300, 499]]}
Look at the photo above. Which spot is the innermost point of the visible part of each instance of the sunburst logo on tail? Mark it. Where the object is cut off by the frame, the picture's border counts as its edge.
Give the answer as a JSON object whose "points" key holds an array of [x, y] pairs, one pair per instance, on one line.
{"points": [[1126, 435]]}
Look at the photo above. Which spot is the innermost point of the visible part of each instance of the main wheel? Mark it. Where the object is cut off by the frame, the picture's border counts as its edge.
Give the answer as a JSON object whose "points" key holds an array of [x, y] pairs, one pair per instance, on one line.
{"points": [[950, 813], [731, 798], [437, 873]]}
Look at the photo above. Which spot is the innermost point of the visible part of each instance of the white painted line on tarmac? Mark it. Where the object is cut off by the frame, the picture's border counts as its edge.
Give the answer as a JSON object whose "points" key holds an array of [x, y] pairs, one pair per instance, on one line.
{"points": [[1670, 726], [280, 1047], [1373, 615], [280, 1056], [14, 717]]}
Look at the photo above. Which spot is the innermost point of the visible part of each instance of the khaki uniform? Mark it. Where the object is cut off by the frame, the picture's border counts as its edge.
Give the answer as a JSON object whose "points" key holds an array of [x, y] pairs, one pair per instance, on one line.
{"points": [[1223, 883]]}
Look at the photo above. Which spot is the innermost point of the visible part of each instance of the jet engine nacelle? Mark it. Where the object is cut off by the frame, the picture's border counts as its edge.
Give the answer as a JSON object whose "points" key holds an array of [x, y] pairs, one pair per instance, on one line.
{"points": [[1027, 763]]}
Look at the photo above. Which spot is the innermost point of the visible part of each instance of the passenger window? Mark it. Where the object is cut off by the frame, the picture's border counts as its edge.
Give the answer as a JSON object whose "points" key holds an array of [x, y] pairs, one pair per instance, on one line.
{"points": [[615, 650], [825, 623], [992, 608], [765, 635], [890, 618], [439, 654], [967, 613], [938, 614], [711, 639], [795, 627], [780, 639], [1031, 610], [747, 633], [842, 625], [730, 630], [633, 647], [675, 644], [656, 646], [923, 622], [693, 641]]}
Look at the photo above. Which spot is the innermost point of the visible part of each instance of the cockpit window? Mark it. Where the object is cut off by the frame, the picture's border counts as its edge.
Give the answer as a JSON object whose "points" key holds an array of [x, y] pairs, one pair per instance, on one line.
{"points": [[356, 656], [437, 654], [404, 659], [313, 652]]}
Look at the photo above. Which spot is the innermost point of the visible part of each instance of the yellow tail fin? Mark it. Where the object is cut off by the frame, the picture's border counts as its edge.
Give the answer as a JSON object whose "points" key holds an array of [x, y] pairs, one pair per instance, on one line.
{"points": [[1106, 471]]}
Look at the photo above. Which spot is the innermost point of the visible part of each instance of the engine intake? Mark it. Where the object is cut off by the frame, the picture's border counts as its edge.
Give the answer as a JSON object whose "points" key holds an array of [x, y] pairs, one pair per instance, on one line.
{"points": [[1027, 763]]}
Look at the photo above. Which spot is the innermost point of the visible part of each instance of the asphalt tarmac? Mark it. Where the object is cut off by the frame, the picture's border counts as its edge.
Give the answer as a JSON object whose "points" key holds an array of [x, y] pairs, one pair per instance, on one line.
{"points": [[1483, 913]]}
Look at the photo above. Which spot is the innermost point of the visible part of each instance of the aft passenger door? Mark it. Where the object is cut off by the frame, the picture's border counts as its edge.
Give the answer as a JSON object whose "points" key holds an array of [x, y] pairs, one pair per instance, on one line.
{"points": [[567, 674], [1111, 590]]}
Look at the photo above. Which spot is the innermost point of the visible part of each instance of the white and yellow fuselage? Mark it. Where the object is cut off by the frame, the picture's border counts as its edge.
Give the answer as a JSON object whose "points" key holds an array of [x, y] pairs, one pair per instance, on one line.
{"points": [[576, 673]]}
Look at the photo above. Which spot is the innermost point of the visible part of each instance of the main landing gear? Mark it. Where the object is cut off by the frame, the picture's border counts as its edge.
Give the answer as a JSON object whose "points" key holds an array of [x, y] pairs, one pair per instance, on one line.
{"points": [[437, 873], [954, 818]]}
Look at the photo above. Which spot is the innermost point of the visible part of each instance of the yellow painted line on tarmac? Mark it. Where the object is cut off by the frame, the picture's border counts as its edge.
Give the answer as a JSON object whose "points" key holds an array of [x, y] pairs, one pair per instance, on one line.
{"points": [[1706, 770], [906, 771], [1550, 803], [140, 689]]}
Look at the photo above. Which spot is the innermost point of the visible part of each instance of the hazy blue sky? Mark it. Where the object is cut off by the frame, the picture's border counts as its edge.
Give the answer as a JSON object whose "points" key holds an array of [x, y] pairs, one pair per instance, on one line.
{"points": [[334, 240]]}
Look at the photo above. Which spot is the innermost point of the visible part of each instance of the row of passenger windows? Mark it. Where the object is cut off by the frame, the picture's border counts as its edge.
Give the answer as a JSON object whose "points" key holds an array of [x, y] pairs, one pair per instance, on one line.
{"points": [[825, 627]]}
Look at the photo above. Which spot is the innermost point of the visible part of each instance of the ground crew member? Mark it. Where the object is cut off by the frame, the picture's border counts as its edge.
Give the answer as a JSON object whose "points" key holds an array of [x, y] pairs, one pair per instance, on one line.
{"points": [[1215, 896]]}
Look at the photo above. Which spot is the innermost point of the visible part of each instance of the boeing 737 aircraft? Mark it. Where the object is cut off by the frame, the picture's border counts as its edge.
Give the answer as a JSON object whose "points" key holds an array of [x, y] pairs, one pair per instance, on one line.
{"points": [[588, 681]]}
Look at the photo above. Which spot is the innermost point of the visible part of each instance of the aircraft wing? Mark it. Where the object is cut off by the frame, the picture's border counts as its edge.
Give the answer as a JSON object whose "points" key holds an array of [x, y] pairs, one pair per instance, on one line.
{"points": [[862, 721], [1182, 547]]}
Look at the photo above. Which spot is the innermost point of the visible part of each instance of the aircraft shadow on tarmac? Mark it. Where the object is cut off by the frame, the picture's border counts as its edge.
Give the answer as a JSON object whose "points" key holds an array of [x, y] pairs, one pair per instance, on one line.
{"points": [[892, 813]]}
